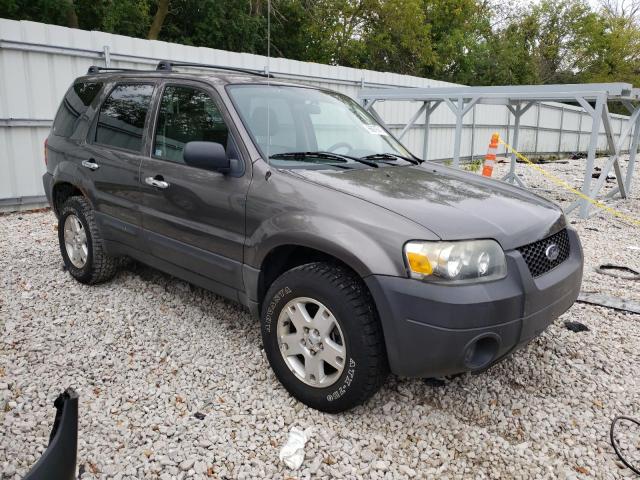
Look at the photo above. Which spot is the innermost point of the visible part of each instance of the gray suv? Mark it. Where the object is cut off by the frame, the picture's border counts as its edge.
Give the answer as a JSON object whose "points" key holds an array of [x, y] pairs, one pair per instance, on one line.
{"points": [[358, 257]]}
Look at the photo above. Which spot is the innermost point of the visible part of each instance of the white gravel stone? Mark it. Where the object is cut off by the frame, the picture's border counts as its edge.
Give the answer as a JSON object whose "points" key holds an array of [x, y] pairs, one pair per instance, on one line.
{"points": [[187, 464], [146, 353]]}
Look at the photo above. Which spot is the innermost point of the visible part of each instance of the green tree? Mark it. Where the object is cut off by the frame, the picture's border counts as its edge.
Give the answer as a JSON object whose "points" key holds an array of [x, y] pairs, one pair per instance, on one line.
{"points": [[560, 27], [388, 35], [162, 9], [503, 58], [458, 29], [222, 24], [124, 17], [396, 37], [289, 25], [335, 29], [48, 11], [474, 42], [611, 52]]}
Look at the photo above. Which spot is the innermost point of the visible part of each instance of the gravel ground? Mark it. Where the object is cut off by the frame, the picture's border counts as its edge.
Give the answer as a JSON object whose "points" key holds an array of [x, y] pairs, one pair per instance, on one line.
{"points": [[146, 352]]}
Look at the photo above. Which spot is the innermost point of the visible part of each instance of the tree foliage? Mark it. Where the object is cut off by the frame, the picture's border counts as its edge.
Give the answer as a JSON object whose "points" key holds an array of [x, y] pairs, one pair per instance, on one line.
{"points": [[475, 42]]}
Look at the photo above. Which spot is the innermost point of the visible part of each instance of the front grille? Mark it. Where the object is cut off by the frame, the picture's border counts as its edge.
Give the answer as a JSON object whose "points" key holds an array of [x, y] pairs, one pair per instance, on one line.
{"points": [[535, 253]]}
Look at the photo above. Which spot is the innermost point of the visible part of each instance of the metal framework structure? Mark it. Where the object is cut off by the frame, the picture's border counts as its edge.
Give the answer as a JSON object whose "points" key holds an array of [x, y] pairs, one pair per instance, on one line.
{"points": [[593, 97]]}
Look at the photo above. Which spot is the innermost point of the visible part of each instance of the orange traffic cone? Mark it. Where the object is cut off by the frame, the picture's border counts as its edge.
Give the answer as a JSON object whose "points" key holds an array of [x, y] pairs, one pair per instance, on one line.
{"points": [[490, 159]]}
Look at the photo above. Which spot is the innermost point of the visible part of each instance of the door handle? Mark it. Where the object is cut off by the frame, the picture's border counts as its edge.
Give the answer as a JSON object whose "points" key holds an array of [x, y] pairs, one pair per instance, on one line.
{"points": [[156, 181], [90, 164]]}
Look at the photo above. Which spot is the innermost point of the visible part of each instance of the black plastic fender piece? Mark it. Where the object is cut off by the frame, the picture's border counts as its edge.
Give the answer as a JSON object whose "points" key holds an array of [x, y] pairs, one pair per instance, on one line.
{"points": [[59, 459]]}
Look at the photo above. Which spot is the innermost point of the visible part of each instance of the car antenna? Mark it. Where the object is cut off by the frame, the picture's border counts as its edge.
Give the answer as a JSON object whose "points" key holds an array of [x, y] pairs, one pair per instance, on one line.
{"points": [[268, 72]]}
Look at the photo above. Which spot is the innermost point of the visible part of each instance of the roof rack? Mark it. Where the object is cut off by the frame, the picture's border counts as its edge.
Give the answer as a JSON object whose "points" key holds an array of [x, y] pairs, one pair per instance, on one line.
{"points": [[96, 69], [167, 66]]}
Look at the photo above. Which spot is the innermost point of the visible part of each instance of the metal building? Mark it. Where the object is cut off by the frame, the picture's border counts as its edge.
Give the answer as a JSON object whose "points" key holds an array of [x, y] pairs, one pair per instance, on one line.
{"points": [[38, 62], [518, 100]]}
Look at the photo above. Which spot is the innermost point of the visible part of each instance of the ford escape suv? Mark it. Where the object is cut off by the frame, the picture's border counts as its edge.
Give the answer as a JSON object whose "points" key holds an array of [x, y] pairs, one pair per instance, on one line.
{"points": [[358, 257]]}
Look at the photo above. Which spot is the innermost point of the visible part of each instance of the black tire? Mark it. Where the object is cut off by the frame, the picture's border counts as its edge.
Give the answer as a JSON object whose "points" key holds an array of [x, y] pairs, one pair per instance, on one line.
{"points": [[99, 266], [342, 292]]}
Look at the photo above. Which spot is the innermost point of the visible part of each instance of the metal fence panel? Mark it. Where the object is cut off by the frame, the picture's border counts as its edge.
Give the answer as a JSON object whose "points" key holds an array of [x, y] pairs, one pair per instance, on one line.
{"points": [[38, 62]]}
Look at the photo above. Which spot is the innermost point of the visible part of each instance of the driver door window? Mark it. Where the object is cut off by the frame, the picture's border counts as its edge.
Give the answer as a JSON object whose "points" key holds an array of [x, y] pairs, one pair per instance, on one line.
{"points": [[186, 114]]}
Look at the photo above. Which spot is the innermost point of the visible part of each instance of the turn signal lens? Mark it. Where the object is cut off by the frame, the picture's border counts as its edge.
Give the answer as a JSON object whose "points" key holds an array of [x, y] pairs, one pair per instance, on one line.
{"points": [[419, 263]]}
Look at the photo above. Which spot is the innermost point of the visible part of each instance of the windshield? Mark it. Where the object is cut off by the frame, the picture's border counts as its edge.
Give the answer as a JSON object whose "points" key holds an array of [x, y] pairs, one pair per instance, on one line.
{"points": [[298, 127]]}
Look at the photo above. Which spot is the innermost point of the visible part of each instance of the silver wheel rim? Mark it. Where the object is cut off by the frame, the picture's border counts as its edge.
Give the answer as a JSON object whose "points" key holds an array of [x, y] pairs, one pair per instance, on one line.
{"points": [[311, 342], [75, 241]]}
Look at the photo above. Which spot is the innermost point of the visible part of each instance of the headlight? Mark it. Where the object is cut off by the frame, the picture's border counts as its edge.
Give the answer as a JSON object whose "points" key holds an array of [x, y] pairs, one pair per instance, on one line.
{"points": [[456, 262]]}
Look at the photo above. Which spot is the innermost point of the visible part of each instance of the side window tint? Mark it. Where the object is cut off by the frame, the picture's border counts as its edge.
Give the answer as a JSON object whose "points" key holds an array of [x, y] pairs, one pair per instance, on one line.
{"points": [[74, 105], [122, 115], [186, 114]]}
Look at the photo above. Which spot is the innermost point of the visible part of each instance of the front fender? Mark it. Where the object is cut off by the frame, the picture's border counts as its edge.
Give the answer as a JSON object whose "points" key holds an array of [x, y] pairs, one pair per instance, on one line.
{"points": [[367, 254], [286, 210]]}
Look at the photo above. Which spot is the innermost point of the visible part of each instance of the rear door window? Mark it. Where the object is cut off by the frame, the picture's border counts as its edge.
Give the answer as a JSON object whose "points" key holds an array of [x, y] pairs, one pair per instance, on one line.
{"points": [[75, 104], [186, 114], [122, 116]]}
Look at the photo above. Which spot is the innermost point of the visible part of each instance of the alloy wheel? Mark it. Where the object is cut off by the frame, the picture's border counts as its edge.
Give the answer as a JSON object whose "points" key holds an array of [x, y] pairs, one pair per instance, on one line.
{"points": [[75, 241], [311, 342]]}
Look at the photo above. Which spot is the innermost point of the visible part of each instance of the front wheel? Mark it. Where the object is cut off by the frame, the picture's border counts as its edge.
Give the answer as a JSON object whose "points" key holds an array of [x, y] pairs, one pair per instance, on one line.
{"points": [[322, 337]]}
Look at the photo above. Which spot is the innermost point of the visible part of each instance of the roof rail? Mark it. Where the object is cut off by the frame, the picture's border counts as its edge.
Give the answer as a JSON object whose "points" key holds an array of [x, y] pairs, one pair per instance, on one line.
{"points": [[167, 66], [96, 69]]}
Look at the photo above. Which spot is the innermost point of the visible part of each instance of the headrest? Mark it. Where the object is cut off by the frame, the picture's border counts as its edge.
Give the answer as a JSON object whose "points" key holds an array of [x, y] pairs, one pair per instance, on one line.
{"points": [[258, 122]]}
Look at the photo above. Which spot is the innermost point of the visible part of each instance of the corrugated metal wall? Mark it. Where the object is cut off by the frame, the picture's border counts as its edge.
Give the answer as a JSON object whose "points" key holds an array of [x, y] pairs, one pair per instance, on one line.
{"points": [[38, 62]]}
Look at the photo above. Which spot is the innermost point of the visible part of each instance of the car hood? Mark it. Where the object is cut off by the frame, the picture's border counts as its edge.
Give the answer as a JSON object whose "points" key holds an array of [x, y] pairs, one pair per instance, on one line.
{"points": [[452, 204]]}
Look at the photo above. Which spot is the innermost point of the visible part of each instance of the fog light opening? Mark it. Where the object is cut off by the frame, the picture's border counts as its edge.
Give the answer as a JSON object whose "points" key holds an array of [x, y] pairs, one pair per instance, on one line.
{"points": [[480, 352]]}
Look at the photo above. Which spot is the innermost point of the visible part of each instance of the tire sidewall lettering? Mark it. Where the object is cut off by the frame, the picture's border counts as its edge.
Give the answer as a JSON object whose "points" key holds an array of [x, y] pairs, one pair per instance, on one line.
{"points": [[268, 319], [346, 382], [340, 291]]}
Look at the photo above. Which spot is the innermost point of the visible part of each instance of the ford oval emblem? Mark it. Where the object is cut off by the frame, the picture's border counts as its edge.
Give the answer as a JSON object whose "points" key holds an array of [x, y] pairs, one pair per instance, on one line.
{"points": [[552, 252]]}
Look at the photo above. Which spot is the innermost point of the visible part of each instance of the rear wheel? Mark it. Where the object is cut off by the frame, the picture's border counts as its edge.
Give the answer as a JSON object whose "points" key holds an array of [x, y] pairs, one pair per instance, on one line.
{"points": [[81, 244], [322, 337]]}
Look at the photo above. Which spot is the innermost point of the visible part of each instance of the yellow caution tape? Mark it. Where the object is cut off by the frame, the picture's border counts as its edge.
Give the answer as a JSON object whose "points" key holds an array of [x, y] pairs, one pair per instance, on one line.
{"points": [[558, 181]]}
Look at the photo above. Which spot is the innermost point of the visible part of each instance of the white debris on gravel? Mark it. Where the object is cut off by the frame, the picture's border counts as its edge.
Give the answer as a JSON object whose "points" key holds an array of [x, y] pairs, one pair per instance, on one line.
{"points": [[292, 452], [173, 382]]}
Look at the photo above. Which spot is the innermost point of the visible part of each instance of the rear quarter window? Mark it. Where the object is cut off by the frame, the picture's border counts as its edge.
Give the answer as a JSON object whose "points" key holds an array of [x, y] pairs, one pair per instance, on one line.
{"points": [[74, 106], [122, 116]]}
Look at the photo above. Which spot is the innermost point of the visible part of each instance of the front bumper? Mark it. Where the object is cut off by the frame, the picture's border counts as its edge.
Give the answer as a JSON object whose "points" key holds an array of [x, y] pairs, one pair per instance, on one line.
{"points": [[433, 330]]}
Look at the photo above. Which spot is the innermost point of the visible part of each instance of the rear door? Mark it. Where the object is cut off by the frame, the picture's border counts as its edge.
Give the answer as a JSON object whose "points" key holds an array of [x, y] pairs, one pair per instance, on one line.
{"points": [[196, 220], [114, 152], [66, 144]]}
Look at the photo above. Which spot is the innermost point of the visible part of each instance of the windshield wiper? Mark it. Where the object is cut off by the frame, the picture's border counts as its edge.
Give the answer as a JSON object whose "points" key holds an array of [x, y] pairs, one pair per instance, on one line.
{"points": [[304, 157], [390, 156]]}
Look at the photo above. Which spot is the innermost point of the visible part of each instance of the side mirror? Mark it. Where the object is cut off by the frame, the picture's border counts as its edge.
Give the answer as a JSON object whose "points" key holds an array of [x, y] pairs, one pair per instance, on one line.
{"points": [[207, 155]]}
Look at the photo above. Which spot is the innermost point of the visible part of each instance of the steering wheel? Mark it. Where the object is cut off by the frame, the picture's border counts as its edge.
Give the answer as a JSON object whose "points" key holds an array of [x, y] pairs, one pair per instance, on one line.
{"points": [[339, 145]]}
